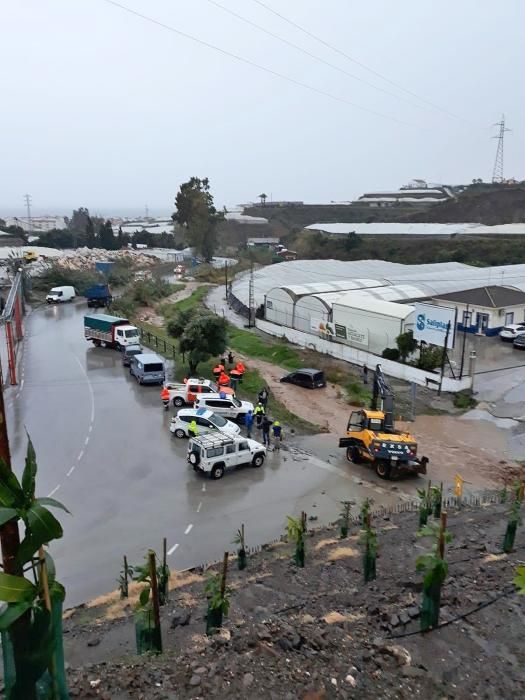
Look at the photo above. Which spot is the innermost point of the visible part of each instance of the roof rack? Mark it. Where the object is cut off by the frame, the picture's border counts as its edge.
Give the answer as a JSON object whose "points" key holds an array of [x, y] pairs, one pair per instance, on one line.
{"points": [[213, 440]]}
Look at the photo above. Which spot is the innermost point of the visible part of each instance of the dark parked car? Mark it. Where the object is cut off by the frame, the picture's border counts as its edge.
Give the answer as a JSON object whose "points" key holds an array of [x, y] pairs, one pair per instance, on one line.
{"points": [[129, 352], [309, 378], [519, 342]]}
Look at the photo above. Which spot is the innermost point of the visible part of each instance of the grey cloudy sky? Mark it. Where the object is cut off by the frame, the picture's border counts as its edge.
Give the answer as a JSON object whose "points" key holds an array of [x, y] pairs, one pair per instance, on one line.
{"points": [[104, 109]]}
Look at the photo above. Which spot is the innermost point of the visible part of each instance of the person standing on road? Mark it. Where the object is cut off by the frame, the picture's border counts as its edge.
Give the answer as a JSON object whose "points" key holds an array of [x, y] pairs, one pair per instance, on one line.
{"points": [[259, 413], [263, 396], [248, 422], [230, 358], [365, 374], [266, 425], [193, 431], [165, 396], [277, 435]]}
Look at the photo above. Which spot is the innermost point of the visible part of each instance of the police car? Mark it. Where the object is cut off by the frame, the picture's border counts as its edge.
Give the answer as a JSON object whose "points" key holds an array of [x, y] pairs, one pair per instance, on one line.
{"points": [[207, 421]]}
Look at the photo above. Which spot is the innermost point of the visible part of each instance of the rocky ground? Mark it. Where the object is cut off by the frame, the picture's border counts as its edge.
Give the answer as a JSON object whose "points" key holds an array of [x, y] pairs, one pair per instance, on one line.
{"points": [[320, 632]]}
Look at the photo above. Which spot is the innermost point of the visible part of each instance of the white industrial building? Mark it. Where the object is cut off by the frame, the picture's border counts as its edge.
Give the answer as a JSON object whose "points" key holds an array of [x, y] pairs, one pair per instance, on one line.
{"points": [[371, 301]]}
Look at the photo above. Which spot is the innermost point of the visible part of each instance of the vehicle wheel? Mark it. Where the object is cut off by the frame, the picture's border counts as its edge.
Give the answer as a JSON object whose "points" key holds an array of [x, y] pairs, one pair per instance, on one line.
{"points": [[258, 460], [382, 469], [217, 472], [194, 458], [353, 455], [96, 343], [178, 401], [180, 433]]}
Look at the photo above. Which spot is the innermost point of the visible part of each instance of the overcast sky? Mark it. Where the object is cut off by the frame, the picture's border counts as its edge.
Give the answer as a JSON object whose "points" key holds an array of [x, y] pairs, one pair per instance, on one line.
{"points": [[104, 109]]}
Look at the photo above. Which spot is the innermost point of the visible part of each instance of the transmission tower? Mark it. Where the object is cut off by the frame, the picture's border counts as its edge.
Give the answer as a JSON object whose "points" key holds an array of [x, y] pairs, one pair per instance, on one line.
{"points": [[497, 173], [27, 198]]}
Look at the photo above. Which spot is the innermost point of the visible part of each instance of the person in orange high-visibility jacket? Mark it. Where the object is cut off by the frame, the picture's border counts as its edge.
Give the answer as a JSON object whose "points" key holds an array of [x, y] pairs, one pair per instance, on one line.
{"points": [[217, 370], [165, 396], [239, 367], [223, 380]]}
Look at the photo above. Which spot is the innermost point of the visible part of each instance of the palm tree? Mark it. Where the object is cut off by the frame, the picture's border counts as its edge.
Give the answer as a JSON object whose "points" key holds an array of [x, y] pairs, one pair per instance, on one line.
{"points": [[263, 197]]}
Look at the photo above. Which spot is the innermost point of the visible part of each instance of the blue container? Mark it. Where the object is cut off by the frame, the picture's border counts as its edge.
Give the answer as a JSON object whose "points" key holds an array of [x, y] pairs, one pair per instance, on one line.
{"points": [[104, 266]]}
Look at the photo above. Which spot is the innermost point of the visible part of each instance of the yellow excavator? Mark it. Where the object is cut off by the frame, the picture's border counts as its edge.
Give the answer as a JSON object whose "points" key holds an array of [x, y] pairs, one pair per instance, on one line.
{"points": [[372, 438]]}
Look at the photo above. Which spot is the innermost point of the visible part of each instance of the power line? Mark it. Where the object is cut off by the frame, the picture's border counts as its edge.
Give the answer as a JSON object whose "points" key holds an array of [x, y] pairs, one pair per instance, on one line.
{"points": [[309, 53], [358, 63], [253, 64]]}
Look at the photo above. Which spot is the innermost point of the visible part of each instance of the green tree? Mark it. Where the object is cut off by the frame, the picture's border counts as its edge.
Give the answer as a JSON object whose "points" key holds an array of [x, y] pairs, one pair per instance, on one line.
{"points": [[90, 233], [201, 335], [79, 220], [263, 197], [106, 239], [430, 357], [197, 214], [406, 344]]}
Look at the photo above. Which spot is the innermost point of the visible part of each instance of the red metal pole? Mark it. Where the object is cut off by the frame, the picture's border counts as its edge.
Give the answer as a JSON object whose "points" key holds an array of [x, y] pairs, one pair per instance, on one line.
{"points": [[18, 318], [11, 360]]}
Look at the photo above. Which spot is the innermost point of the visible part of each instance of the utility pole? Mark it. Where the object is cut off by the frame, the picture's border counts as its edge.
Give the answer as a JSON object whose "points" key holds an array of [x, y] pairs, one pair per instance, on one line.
{"points": [[443, 359], [466, 322], [251, 301], [226, 280], [28, 198], [497, 172]]}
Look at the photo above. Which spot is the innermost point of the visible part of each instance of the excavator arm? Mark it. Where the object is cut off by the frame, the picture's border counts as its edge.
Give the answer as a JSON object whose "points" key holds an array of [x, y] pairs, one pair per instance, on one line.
{"points": [[383, 398]]}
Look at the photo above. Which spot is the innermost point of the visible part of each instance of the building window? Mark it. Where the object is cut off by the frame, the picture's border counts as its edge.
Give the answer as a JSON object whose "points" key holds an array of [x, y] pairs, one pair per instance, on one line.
{"points": [[269, 304], [509, 318]]}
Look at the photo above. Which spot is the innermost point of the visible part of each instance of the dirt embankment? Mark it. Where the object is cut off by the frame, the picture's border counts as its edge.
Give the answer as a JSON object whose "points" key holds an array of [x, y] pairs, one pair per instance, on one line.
{"points": [[320, 633], [474, 449]]}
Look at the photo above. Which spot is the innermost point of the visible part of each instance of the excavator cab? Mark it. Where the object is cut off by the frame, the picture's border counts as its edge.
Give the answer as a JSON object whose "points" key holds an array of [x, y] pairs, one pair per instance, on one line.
{"points": [[366, 420]]}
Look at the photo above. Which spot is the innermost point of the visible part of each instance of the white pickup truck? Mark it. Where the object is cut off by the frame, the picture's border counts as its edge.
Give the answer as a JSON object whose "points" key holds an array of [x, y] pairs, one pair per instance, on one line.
{"points": [[188, 392]]}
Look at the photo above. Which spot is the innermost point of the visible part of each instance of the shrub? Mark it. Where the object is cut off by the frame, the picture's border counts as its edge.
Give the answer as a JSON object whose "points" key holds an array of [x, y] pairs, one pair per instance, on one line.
{"points": [[391, 354]]}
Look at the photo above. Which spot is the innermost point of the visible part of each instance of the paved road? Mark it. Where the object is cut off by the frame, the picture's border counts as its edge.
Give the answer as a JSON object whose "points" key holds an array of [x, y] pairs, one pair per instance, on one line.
{"points": [[104, 450]]}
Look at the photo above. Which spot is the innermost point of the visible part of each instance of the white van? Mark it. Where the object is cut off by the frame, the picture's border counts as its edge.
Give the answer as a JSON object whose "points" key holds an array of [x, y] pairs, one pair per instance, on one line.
{"points": [[228, 406], [58, 295]]}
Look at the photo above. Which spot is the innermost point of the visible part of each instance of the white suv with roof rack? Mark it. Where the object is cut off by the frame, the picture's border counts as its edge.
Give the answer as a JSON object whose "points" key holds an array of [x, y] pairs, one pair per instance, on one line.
{"points": [[227, 406], [214, 453]]}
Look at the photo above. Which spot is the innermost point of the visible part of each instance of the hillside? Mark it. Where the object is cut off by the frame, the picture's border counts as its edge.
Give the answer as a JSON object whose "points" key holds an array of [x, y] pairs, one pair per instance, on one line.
{"points": [[319, 633], [504, 205], [300, 216]]}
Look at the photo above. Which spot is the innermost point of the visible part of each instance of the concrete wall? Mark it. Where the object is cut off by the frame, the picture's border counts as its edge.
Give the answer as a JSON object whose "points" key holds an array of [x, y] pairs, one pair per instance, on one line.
{"points": [[361, 357]]}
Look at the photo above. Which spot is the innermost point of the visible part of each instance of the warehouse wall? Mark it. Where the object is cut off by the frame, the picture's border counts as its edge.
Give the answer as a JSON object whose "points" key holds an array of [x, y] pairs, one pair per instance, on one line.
{"points": [[361, 357]]}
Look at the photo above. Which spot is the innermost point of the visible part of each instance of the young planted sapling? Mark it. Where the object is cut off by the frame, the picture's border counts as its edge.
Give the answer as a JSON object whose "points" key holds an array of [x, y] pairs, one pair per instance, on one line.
{"points": [[368, 538], [218, 595], [434, 569], [125, 575], [296, 530], [344, 519], [241, 551], [515, 518], [147, 618]]}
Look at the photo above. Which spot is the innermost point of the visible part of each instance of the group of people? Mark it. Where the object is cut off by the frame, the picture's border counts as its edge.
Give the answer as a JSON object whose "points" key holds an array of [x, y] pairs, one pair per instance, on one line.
{"points": [[236, 373], [268, 427]]}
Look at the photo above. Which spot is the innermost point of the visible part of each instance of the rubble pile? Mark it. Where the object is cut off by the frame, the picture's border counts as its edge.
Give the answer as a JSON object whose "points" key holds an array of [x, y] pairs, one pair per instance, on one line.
{"points": [[85, 258], [320, 632]]}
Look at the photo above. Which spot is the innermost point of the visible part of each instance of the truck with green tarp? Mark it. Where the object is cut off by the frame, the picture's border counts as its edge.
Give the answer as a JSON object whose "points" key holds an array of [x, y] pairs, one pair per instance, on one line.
{"points": [[110, 331]]}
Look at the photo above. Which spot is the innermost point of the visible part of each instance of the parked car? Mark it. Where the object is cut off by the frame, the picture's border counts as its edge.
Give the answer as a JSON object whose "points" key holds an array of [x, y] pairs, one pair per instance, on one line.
{"points": [[130, 351], [189, 391], [206, 420], [519, 342], [309, 378], [229, 407], [148, 368], [214, 453], [59, 295], [511, 331]]}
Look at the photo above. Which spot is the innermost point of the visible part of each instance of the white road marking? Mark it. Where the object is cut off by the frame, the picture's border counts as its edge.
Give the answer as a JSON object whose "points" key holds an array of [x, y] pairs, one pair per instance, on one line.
{"points": [[51, 493], [204, 487], [71, 470], [90, 428], [199, 507], [86, 440], [90, 386], [18, 394], [172, 549], [81, 454], [188, 529]]}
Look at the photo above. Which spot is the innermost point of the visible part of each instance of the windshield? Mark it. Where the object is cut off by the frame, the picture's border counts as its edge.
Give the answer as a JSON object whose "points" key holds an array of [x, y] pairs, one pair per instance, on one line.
{"points": [[215, 389], [133, 351], [131, 334], [236, 402], [376, 424], [218, 420], [154, 367]]}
